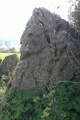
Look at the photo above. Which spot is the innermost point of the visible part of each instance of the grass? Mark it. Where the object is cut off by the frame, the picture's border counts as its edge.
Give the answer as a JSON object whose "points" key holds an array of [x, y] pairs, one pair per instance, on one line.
{"points": [[3, 55]]}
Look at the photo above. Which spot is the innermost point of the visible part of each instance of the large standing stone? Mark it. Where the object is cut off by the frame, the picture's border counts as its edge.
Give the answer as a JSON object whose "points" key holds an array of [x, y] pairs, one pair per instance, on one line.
{"points": [[49, 53]]}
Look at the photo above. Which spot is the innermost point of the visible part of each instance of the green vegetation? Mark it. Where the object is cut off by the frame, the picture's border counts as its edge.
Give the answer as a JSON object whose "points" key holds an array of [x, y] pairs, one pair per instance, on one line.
{"points": [[68, 97], [3, 55], [59, 103], [74, 15]]}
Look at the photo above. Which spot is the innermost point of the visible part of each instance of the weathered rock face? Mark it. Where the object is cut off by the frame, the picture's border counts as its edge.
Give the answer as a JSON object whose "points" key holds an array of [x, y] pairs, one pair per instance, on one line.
{"points": [[48, 52], [8, 64]]}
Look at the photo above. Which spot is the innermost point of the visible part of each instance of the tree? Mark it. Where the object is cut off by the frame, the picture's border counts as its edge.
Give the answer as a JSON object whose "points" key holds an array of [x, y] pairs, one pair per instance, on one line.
{"points": [[13, 50], [74, 15], [7, 43]]}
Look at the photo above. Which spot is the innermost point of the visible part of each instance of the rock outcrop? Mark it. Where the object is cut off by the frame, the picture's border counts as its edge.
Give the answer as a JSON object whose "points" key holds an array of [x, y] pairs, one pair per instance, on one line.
{"points": [[49, 52], [8, 64]]}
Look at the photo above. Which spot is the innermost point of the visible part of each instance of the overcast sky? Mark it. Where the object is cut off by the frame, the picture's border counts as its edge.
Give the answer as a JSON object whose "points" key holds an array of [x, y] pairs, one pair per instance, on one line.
{"points": [[14, 14]]}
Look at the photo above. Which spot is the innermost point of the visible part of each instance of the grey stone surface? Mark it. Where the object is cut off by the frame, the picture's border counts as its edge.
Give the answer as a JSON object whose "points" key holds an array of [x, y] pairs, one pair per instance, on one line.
{"points": [[8, 64], [49, 53]]}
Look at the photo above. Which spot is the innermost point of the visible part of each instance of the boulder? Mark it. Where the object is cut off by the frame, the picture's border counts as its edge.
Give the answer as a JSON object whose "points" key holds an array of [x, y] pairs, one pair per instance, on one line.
{"points": [[8, 64], [49, 52]]}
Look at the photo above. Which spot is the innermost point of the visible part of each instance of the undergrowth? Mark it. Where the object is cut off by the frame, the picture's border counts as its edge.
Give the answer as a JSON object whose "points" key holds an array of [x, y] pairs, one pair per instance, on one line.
{"points": [[4, 80], [60, 103]]}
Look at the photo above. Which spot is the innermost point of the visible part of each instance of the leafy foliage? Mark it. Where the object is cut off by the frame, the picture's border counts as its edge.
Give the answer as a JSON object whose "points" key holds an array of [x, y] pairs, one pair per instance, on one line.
{"points": [[68, 97], [60, 103], [74, 15], [23, 106]]}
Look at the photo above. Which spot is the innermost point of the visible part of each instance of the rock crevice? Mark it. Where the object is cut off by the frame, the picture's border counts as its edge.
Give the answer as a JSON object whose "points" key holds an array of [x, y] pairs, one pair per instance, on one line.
{"points": [[48, 48]]}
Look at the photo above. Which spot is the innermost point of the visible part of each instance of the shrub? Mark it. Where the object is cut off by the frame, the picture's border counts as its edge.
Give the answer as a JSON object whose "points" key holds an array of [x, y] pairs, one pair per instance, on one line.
{"points": [[68, 97], [23, 106], [60, 103], [3, 80]]}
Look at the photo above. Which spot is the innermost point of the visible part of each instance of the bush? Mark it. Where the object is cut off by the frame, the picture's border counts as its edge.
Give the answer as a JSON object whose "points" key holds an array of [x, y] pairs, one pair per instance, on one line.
{"points": [[23, 106], [74, 15], [60, 103], [3, 80], [68, 97]]}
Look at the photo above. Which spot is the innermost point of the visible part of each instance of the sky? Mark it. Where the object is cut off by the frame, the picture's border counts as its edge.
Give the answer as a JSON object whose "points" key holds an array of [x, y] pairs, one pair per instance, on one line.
{"points": [[14, 14]]}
